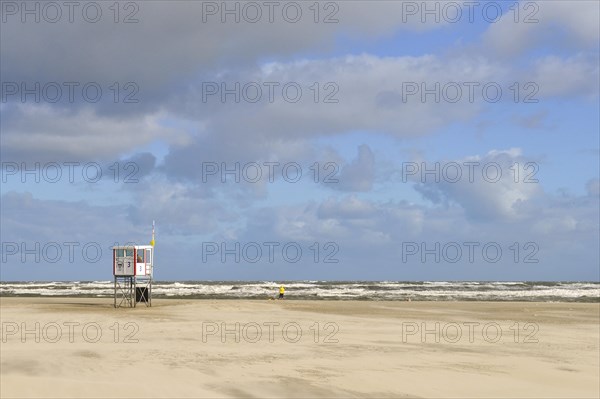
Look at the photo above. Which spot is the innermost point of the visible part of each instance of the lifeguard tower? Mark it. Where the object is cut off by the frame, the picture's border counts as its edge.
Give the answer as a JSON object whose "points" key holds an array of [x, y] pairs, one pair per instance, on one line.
{"points": [[133, 267]]}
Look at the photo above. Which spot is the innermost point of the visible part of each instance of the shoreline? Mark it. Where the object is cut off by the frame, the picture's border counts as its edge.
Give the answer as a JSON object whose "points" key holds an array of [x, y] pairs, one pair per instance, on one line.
{"points": [[290, 298]]}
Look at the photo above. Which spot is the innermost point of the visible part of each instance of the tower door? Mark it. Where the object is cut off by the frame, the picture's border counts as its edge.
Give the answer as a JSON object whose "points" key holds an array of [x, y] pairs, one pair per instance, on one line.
{"points": [[128, 263]]}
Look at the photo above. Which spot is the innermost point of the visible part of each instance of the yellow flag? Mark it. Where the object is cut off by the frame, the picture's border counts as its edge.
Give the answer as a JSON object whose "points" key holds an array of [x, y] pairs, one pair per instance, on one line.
{"points": [[152, 242]]}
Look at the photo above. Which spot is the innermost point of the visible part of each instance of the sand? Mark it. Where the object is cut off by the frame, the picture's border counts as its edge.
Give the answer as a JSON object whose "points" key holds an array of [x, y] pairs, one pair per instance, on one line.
{"points": [[236, 348]]}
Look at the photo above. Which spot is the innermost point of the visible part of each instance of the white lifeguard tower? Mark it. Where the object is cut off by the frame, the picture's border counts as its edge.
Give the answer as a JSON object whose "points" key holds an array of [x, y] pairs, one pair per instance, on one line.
{"points": [[133, 268]]}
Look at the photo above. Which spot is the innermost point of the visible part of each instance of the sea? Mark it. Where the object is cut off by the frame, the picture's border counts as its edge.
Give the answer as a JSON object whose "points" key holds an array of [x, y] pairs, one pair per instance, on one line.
{"points": [[327, 290]]}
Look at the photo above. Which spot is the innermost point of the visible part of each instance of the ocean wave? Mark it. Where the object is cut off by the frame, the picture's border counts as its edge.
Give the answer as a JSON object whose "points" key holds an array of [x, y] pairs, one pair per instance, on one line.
{"points": [[328, 290]]}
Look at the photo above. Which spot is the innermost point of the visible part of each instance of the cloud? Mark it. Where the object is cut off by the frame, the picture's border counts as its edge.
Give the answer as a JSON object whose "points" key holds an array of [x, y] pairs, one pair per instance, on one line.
{"points": [[371, 234], [593, 187], [534, 121], [495, 186], [359, 174], [354, 83], [143, 165], [368, 235], [42, 133], [171, 42], [264, 130], [27, 218], [577, 75], [180, 209], [554, 24], [350, 208], [355, 92]]}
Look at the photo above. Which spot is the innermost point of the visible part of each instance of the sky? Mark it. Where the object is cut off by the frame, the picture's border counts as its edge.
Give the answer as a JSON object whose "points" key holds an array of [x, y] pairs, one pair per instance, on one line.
{"points": [[342, 140]]}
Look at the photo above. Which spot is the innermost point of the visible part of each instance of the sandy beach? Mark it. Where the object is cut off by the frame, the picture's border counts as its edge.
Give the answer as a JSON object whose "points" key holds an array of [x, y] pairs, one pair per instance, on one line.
{"points": [[79, 347]]}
